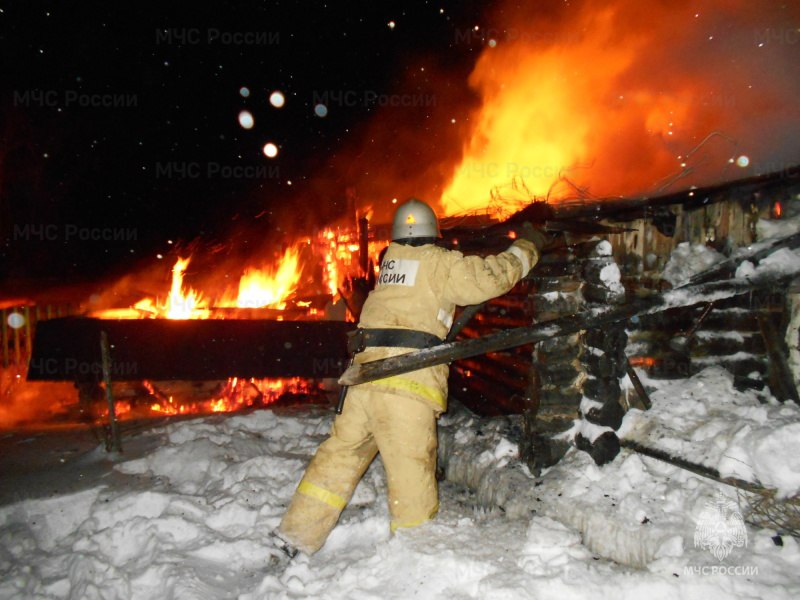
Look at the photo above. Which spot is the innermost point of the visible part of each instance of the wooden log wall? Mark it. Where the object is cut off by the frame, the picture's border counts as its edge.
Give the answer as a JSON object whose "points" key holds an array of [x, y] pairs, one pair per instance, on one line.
{"points": [[578, 376], [497, 383], [730, 336], [604, 357]]}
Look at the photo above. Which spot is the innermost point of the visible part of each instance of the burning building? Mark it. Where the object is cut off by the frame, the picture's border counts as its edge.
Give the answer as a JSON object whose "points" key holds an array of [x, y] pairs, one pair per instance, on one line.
{"points": [[587, 116]]}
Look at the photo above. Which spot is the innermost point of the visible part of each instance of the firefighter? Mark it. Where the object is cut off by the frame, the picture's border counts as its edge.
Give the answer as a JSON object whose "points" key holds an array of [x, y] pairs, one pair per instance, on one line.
{"points": [[418, 288]]}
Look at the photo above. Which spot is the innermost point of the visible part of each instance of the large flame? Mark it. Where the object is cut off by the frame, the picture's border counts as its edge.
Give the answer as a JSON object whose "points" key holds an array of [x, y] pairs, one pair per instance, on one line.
{"points": [[624, 97], [181, 302], [309, 269], [269, 286]]}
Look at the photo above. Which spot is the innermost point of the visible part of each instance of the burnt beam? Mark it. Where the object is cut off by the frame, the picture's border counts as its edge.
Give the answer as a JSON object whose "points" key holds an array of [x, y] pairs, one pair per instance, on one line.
{"points": [[198, 350]]}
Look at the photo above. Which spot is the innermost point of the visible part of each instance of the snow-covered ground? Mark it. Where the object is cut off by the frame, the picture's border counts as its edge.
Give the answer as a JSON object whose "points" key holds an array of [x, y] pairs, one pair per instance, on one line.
{"points": [[185, 512]]}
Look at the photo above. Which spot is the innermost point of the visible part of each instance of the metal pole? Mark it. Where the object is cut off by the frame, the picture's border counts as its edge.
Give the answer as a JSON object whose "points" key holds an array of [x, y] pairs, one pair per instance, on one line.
{"points": [[466, 315], [363, 245], [28, 336], [637, 385], [695, 468], [5, 336], [114, 444], [17, 349]]}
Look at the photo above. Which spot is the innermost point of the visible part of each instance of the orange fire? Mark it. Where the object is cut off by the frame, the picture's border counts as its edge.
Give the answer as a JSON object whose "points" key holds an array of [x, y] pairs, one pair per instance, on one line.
{"points": [[331, 265], [546, 109], [236, 395], [181, 302], [334, 254], [268, 286], [310, 267], [613, 97]]}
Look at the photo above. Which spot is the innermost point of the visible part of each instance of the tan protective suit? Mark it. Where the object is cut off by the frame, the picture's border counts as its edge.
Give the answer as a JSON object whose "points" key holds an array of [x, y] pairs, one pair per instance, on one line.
{"points": [[418, 288]]}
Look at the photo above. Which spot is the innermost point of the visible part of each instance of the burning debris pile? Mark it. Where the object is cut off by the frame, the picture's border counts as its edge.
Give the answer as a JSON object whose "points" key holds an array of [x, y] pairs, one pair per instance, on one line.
{"points": [[162, 363], [298, 283], [206, 345]]}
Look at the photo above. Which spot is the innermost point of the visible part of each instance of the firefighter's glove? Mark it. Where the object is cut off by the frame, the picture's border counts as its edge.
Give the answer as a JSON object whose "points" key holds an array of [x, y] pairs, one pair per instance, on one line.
{"points": [[539, 238]]}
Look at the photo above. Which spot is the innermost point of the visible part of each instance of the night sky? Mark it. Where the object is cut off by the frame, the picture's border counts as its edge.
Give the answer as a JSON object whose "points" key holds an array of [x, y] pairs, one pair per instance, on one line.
{"points": [[120, 120], [170, 160]]}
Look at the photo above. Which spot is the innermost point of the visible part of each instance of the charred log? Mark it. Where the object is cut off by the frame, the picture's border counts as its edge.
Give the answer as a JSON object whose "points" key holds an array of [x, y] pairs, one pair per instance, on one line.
{"points": [[197, 350], [781, 381], [603, 450], [566, 399]]}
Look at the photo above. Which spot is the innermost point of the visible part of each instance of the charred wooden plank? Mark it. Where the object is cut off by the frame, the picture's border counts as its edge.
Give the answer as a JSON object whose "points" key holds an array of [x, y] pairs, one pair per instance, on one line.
{"points": [[495, 321], [508, 399], [626, 209], [781, 381], [198, 350], [724, 343], [492, 370], [512, 361]]}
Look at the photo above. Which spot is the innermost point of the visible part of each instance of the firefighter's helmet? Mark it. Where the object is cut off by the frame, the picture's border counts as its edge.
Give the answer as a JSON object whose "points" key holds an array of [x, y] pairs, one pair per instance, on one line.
{"points": [[415, 219]]}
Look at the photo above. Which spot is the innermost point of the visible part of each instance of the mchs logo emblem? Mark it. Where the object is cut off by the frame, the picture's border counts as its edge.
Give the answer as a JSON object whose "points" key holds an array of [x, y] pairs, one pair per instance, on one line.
{"points": [[720, 527]]}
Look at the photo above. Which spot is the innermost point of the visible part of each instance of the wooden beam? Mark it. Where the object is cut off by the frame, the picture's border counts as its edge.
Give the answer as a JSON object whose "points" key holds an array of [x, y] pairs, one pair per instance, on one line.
{"points": [[199, 350]]}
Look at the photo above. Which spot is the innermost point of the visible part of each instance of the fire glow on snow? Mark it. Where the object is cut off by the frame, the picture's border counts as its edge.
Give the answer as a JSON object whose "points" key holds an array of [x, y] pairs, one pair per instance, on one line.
{"points": [[190, 518]]}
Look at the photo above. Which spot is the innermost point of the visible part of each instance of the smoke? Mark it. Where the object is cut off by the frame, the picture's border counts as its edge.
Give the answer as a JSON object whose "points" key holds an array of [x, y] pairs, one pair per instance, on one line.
{"points": [[405, 147]]}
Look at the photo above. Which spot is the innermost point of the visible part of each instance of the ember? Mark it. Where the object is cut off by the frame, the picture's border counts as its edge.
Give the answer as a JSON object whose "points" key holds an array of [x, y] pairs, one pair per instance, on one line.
{"points": [[237, 394]]}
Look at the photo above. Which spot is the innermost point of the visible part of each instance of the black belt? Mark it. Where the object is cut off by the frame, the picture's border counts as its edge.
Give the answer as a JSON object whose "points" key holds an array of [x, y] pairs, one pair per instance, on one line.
{"points": [[393, 338]]}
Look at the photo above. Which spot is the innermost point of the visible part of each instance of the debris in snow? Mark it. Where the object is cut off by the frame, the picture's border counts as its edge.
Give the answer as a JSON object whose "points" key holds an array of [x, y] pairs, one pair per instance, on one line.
{"points": [[688, 260], [636, 511], [793, 335], [778, 228], [780, 261], [705, 420], [191, 518]]}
